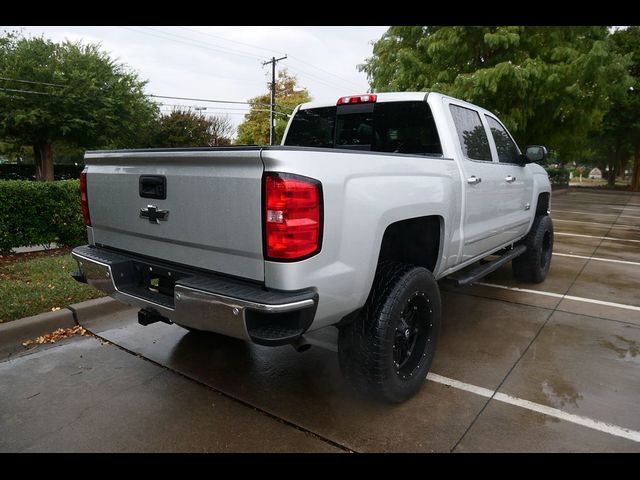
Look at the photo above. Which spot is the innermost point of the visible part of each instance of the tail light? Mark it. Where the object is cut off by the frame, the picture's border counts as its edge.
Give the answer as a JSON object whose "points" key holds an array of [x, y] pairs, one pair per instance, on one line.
{"points": [[368, 98], [293, 216], [84, 202]]}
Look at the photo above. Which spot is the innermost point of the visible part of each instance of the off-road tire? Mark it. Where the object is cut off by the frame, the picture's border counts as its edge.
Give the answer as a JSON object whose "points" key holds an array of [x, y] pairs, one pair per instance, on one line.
{"points": [[402, 296], [533, 265]]}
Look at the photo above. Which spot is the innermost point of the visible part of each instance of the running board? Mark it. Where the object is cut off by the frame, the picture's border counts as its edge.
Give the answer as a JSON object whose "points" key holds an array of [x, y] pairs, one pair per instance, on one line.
{"points": [[466, 277]]}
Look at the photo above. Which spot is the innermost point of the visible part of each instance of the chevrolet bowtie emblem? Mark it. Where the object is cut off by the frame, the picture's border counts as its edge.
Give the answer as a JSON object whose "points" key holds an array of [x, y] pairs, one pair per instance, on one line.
{"points": [[153, 214]]}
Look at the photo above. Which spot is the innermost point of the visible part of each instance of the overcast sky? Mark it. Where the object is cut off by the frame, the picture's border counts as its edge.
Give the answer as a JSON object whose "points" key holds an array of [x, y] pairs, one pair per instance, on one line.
{"points": [[225, 63]]}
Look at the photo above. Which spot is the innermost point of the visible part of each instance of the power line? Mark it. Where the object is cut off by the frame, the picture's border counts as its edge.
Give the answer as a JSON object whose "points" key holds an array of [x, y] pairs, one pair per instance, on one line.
{"points": [[307, 74], [32, 81], [198, 99], [216, 113], [232, 41], [219, 47], [271, 51], [312, 77], [249, 104], [147, 95], [247, 113], [190, 41], [23, 91], [196, 107], [167, 97], [323, 70], [218, 101]]}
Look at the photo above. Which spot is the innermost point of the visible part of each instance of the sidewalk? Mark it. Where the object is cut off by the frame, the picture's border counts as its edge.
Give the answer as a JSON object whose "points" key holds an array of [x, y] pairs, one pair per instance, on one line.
{"points": [[35, 248]]}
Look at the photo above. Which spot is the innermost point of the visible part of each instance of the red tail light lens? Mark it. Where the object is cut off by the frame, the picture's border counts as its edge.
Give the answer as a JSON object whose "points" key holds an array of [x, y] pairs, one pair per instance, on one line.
{"points": [[368, 98], [293, 216], [84, 202]]}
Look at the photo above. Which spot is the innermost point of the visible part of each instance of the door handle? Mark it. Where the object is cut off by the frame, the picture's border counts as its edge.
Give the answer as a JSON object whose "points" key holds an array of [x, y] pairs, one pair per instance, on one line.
{"points": [[510, 179], [473, 180], [153, 186]]}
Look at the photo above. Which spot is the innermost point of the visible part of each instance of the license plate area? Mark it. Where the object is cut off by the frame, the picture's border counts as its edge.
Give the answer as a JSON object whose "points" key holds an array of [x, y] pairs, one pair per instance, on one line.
{"points": [[157, 280]]}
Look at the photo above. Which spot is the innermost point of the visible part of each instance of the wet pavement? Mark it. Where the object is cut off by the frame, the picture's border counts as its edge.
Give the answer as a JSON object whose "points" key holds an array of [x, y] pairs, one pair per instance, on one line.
{"points": [[553, 368]]}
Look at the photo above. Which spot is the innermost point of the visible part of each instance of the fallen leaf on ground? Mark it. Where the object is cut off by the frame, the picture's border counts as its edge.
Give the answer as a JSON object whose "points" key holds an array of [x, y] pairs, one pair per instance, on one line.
{"points": [[56, 335]]}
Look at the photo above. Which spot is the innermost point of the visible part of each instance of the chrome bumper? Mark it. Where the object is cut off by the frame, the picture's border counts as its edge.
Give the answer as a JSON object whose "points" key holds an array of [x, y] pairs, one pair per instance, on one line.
{"points": [[269, 321]]}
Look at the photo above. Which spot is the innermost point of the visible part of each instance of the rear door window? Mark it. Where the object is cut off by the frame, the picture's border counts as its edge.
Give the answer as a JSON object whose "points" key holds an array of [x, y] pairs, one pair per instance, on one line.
{"points": [[471, 133]]}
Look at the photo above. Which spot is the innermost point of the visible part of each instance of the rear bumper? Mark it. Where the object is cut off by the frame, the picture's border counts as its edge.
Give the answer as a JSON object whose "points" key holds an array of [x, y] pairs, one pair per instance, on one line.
{"points": [[202, 301]]}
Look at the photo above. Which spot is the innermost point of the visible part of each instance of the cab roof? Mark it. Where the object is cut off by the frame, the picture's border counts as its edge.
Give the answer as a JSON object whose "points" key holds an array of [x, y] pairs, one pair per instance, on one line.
{"points": [[381, 97], [396, 97]]}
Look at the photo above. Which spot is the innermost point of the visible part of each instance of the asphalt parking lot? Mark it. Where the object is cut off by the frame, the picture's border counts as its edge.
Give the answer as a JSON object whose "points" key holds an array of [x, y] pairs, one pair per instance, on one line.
{"points": [[552, 367]]}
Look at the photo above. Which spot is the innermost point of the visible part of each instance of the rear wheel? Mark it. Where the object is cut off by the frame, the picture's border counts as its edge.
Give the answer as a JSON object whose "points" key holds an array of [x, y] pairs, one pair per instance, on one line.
{"points": [[387, 351], [533, 265]]}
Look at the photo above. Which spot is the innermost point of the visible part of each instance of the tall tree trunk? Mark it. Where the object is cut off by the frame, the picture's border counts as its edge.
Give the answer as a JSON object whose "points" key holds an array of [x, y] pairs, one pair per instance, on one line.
{"points": [[609, 174], [43, 156], [635, 176]]}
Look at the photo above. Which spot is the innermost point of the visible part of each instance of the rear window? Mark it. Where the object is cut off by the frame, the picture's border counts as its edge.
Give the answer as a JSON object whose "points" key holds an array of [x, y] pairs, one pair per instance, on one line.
{"points": [[394, 127]]}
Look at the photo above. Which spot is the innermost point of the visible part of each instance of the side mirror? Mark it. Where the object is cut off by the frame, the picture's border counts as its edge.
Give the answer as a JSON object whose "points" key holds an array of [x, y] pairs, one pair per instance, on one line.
{"points": [[534, 154]]}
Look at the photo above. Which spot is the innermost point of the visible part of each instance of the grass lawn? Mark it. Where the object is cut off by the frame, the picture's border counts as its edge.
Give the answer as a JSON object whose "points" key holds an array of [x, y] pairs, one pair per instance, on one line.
{"points": [[32, 284]]}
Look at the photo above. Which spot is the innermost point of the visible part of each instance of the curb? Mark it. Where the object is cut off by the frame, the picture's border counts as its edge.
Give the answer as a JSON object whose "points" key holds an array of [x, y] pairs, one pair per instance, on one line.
{"points": [[17, 331], [97, 307]]}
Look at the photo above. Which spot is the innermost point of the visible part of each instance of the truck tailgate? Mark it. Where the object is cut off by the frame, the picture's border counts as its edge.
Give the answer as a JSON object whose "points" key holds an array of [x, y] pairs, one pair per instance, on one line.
{"points": [[213, 205]]}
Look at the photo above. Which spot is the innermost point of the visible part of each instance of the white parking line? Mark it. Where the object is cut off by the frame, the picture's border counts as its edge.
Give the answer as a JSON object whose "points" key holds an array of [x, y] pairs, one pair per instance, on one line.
{"points": [[594, 213], [618, 207], [523, 290], [607, 225], [563, 297], [591, 423], [599, 259], [596, 236]]}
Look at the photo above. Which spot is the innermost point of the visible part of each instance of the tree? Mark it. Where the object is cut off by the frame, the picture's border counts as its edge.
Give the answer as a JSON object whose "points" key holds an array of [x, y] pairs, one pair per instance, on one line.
{"points": [[221, 130], [619, 138], [550, 85], [255, 128], [186, 128], [68, 92]]}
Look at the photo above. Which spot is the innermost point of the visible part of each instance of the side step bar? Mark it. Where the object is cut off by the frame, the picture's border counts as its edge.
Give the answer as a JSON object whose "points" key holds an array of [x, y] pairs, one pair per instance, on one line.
{"points": [[466, 277]]}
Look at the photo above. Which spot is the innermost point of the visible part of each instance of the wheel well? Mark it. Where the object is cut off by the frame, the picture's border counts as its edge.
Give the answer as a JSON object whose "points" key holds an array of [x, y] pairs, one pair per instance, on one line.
{"points": [[415, 241], [543, 203]]}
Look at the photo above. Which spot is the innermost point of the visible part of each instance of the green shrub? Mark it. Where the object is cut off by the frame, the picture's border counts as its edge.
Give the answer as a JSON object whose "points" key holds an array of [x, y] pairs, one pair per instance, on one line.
{"points": [[33, 213], [558, 176]]}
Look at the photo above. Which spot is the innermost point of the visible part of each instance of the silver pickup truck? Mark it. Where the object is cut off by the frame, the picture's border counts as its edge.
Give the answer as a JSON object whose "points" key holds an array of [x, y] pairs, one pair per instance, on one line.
{"points": [[348, 224]]}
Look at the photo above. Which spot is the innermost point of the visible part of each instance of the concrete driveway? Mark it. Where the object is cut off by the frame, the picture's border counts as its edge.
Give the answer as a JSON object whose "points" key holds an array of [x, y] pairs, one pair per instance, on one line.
{"points": [[548, 367]]}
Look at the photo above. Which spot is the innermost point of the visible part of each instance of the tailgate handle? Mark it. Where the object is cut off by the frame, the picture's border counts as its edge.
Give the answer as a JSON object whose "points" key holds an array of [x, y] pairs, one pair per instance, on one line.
{"points": [[153, 186]]}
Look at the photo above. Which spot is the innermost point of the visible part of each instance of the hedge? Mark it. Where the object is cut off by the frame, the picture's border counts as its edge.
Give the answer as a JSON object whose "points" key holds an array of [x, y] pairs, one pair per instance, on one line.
{"points": [[34, 213], [558, 176], [13, 171]]}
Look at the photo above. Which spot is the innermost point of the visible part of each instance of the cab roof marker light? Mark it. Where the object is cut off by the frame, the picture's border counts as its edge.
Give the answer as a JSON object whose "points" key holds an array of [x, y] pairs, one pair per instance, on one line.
{"points": [[368, 98]]}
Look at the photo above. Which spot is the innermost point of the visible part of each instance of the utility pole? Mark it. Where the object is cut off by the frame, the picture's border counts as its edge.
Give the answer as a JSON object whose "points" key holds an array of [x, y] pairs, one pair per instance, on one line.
{"points": [[272, 128]]}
